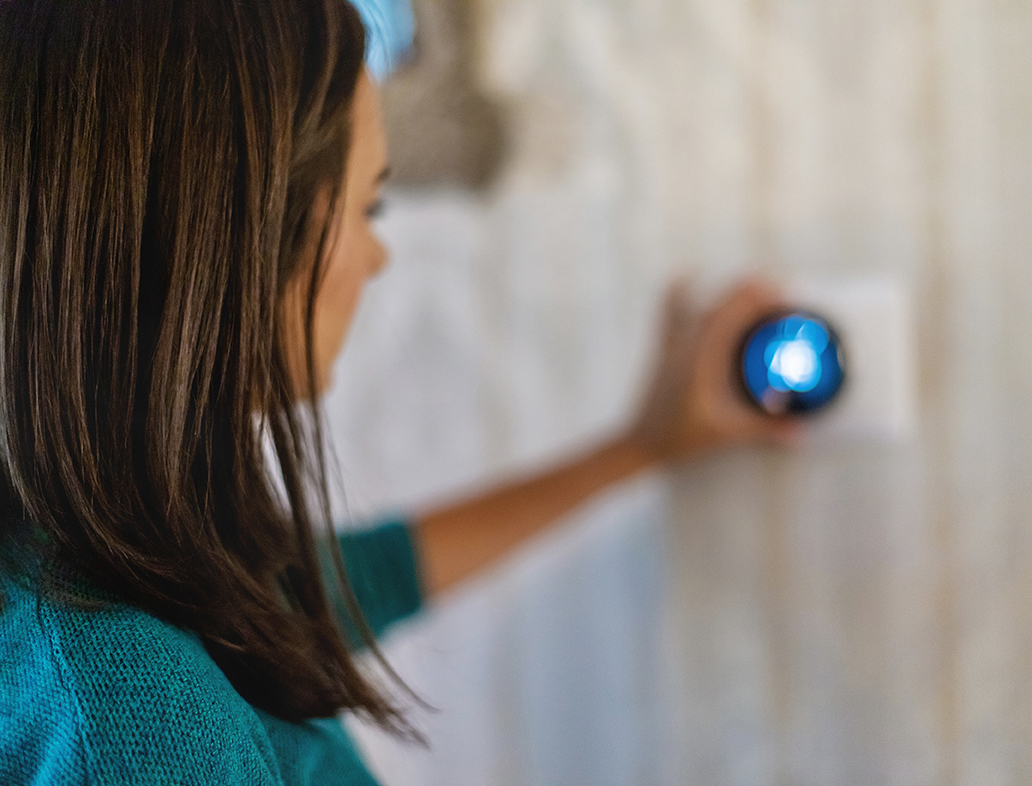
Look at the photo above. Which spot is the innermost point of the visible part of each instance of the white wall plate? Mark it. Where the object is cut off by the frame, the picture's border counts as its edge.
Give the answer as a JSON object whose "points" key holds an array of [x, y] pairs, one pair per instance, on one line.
{"points": [[872, 316]]}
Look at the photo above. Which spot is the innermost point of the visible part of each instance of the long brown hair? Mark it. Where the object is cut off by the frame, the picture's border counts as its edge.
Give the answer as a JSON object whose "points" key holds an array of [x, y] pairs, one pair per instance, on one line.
{"points": [[159, 166]]}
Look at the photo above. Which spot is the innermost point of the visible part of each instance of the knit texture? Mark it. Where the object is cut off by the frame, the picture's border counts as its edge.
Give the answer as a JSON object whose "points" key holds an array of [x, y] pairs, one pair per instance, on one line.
{"points": [[117, 696]]}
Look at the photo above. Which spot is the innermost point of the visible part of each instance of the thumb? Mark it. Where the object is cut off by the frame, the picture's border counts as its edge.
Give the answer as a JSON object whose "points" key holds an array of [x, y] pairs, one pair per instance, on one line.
{"points": [[679, 316]]}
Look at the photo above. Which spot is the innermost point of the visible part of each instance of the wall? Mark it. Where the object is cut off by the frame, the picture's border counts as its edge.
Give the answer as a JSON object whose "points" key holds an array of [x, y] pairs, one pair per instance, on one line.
{"points": [[847, 614]]}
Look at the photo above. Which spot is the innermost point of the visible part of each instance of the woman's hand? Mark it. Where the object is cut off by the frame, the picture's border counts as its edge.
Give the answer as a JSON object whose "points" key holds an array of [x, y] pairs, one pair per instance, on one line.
{"points": [[694, 403]]}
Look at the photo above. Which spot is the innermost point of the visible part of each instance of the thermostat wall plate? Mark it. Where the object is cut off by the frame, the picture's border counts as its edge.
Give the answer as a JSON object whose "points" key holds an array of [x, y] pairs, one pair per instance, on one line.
{"points": [[872, 317]]}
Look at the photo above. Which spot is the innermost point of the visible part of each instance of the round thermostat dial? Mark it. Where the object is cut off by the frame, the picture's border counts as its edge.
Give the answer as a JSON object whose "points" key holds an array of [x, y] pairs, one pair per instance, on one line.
{"points": [[792, 363]]}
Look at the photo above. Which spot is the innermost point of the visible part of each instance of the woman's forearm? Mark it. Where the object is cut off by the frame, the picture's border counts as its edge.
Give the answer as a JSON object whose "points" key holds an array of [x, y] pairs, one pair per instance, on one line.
{"points": [[692, 406], [457, 540]]}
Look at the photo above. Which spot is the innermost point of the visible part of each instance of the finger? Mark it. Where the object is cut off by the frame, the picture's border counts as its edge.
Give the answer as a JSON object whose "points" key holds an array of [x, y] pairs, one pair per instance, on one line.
{"points": [[747, 303], [754, 296], [786, 432], [680, 324], [677, 308]]}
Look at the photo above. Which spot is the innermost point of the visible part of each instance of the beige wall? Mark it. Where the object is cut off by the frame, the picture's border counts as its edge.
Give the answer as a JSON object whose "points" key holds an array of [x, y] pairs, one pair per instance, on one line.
{"points": [[865, 613], [851, 614]]}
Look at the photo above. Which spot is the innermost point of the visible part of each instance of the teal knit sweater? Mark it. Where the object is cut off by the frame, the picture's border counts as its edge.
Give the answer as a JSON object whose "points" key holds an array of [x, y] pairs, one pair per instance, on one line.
{"points": [[117, 696]]}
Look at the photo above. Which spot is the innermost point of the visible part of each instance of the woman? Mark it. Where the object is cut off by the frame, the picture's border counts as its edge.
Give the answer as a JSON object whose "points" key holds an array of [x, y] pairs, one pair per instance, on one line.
{"points": [[184, 233]]}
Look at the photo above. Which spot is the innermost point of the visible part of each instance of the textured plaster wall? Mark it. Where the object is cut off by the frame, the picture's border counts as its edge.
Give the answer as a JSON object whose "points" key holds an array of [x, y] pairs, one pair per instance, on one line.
{"points": [[843, 614]]}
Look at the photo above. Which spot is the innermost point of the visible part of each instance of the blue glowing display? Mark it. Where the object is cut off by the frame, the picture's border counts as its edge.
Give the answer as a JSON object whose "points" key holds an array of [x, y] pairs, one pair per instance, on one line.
{"points": [[792, 364]]}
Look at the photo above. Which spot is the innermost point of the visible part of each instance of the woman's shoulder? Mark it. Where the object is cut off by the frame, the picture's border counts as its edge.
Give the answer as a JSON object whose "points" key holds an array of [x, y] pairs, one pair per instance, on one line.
{"points": [[115, 694]]}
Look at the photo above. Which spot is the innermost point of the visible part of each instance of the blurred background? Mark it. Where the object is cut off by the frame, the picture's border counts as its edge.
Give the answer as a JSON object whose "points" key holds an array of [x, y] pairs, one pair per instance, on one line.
{"points": [[847, 612]]}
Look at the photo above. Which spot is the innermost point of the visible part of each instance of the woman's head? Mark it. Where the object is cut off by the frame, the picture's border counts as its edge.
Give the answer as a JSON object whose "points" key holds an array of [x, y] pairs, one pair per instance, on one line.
{"points": [[173, 174]]}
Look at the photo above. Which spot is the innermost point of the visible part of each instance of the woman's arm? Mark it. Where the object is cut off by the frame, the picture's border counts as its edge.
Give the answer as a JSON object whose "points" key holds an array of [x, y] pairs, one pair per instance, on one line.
{"points": [[692, 407], [458, 540]]}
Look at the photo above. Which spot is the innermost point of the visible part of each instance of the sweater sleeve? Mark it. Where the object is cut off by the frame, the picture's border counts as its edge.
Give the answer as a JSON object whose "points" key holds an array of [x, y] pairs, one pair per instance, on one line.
{"points": [[383, 571]]}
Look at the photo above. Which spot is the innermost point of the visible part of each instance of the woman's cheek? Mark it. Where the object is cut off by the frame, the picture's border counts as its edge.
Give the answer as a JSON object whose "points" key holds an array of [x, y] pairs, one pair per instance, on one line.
{"points": [[335, 307]]}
